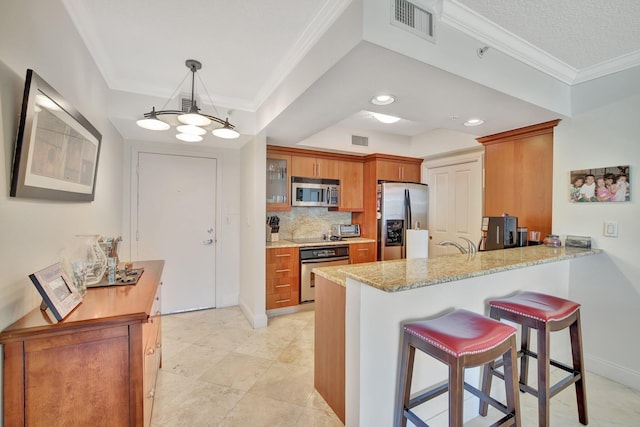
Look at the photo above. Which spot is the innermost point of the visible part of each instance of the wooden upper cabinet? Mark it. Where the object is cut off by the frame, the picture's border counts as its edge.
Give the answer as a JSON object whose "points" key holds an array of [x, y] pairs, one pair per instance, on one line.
{"points": [[389, 170], [312, 167], [351, 186], [519, 175]]}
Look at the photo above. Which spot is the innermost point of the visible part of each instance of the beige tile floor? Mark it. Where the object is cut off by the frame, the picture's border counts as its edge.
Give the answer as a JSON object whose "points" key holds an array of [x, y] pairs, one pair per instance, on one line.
{"points": [[218, 371]]}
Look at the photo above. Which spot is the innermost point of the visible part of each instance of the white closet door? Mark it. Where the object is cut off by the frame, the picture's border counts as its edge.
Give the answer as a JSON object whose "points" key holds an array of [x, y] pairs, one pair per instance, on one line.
{"points": [[455, 205], [176, 222]]}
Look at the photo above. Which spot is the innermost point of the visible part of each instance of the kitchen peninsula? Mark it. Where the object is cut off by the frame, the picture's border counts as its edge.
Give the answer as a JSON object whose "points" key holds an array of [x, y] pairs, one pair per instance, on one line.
{"points": [[360, 310]]}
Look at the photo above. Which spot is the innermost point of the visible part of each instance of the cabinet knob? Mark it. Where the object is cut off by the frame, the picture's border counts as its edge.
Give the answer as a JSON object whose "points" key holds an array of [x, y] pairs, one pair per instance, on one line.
{"points": [[151, 393], [150, 351]]}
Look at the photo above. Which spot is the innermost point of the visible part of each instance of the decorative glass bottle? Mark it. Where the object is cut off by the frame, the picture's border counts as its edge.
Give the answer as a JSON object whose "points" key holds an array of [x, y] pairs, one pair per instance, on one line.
{"points": [[94, 259]]}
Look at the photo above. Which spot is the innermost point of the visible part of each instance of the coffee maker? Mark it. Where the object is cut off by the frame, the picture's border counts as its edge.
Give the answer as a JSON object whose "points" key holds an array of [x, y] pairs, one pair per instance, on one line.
{"points": [[498, 232]]}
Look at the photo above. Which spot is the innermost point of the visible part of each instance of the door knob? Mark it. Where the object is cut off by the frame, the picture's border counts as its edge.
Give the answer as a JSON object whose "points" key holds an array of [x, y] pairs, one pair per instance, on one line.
{"points": [[208, 242]]}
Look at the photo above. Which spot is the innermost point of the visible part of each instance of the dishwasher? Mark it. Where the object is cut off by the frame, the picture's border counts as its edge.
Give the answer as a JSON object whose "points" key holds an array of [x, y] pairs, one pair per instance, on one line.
{"points": [[314, 257]]}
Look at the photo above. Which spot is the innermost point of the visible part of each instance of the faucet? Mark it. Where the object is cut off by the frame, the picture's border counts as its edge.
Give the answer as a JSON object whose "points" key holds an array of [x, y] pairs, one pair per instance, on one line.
{"points": [[471, 247], [450, 243]]}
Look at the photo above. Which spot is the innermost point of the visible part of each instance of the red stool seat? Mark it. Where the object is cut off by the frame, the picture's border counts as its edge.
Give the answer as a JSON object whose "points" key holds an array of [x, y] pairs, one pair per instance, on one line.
{"points": [[537, 306], [460, 339], [461, 332], [545, 314]]}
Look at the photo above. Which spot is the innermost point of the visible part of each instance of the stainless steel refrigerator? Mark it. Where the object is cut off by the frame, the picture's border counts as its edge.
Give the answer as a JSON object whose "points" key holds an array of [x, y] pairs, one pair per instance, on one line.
{"points": [[401, 206]]}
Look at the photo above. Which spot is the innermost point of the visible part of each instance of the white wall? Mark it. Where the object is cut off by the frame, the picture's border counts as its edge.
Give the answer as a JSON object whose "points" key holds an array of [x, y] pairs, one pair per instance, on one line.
{"points": [[34, 231], [39, 35], [441, 141], [338, 138], [252, 298], [604, 136]]}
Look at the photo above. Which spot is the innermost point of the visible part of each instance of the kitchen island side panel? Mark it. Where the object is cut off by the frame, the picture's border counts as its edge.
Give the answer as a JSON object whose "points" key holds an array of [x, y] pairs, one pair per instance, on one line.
{"points": [[329, 348]]}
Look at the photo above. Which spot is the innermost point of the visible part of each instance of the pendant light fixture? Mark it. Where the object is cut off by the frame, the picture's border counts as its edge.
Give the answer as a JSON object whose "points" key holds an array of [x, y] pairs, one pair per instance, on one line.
{"points": [[192, 123]]}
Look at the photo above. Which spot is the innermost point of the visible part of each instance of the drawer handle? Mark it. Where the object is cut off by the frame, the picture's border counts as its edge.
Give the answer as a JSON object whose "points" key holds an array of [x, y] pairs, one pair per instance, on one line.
{"points": [[283, 270], [150, 351], [280, 255], [282, 300], [283, 286], [363, 249]]}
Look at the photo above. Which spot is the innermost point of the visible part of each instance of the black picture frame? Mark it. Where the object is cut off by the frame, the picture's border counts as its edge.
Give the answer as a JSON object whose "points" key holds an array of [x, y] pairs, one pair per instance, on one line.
{"points": [[57, 149], [57, 290]]}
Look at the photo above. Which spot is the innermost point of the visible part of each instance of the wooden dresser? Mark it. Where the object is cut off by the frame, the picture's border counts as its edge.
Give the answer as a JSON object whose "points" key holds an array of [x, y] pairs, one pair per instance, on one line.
{"points": [[96, 367]]}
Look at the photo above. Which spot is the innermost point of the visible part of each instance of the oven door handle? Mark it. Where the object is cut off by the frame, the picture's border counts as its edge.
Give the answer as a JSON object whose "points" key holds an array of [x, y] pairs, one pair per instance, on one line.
{"points": [[315, 261]]}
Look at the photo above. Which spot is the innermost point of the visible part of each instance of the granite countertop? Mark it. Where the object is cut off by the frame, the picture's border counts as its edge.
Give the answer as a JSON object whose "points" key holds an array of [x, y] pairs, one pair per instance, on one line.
{"points": [[290, 244], [405, 274]]}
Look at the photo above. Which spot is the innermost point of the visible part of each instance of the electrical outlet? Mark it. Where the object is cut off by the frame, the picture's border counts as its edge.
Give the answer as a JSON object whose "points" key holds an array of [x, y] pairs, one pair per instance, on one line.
{"points": [[610, 229]]}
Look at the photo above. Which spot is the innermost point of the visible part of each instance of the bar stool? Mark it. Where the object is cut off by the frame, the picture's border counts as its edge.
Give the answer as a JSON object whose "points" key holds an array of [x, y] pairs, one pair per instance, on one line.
{"points": [[460, 339], [546, 314]]}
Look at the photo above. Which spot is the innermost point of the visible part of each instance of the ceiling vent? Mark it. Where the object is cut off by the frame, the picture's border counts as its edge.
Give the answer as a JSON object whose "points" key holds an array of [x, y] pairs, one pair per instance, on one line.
{"points": [[413, 18], [185, 103], [363, 141]]}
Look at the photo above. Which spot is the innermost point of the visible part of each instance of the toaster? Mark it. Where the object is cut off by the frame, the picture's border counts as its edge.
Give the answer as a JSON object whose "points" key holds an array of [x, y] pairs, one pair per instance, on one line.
{"points": [[345, 230]]}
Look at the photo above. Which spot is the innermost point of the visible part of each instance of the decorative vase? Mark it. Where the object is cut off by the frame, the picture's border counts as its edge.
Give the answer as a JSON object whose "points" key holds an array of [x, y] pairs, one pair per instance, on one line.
{"points": [[93, 258]]}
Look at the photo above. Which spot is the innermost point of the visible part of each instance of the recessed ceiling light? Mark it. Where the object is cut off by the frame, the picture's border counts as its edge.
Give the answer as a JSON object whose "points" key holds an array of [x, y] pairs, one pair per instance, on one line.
{"points": [[383, 100], [473, 122], [385, 118]]}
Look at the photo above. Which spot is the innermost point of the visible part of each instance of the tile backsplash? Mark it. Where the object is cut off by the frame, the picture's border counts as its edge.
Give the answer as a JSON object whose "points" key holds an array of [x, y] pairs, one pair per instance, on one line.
{"points": [[303, 223]]}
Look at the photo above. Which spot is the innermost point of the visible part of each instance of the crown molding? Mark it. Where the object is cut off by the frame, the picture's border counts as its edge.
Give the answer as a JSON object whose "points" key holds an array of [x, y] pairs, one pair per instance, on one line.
{"points": [[318, 26], [467, 21]]}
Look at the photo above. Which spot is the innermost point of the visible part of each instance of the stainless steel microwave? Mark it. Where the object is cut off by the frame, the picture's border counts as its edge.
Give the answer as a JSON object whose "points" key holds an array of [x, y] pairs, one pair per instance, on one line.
{"points": [[314, 192]]}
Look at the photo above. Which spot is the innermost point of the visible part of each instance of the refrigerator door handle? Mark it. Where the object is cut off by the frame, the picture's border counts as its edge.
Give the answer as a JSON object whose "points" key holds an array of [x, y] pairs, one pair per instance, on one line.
{"points": [[407, 204]]}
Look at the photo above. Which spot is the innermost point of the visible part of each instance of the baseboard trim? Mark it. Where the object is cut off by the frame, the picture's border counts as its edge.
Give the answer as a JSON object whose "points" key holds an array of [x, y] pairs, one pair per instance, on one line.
{"points": [[255, 320], [612, 371]]}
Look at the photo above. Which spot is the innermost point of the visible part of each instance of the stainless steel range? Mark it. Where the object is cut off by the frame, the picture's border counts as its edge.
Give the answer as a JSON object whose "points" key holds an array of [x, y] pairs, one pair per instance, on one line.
{"points": [[318, 256]]}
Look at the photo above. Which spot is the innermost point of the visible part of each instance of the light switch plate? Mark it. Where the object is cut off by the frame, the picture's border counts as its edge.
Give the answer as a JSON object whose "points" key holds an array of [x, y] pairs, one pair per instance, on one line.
{"points": [[610, 229]]}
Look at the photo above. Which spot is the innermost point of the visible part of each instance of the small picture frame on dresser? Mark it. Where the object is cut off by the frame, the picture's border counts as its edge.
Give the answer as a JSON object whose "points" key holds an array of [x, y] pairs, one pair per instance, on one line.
{"points": [[58, 291]]}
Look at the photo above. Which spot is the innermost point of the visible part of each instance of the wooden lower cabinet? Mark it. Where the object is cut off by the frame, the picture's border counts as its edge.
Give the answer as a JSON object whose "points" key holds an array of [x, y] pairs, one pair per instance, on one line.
{"points": [[283, 277], [96, 367], [362, 252]]}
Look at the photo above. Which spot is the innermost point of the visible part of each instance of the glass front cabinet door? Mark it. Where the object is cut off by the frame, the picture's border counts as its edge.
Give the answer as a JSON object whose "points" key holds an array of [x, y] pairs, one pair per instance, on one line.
{"points": [[278, 188]]}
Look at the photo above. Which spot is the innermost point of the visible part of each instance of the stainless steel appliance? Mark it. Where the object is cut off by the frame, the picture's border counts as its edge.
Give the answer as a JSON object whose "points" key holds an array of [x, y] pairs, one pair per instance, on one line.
{"points": [[401, 206], [314, 191], [345, 230], [318, 256], [498, 232]]}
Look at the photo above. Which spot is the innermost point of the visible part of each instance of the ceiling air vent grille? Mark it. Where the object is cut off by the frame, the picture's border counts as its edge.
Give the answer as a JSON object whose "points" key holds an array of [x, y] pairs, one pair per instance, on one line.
{"points": [[359, 140], [185, 104], [413, 18]]}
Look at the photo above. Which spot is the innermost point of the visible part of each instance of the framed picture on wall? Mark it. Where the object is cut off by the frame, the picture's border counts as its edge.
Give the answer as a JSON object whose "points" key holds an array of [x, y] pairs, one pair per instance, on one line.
{"points": [[57, 290], [600, 185], [57, 149]]}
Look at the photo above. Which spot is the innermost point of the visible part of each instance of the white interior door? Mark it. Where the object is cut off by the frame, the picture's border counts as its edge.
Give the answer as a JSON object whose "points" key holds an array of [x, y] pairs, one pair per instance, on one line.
{"points": [[455, 204], [176, 205]]}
